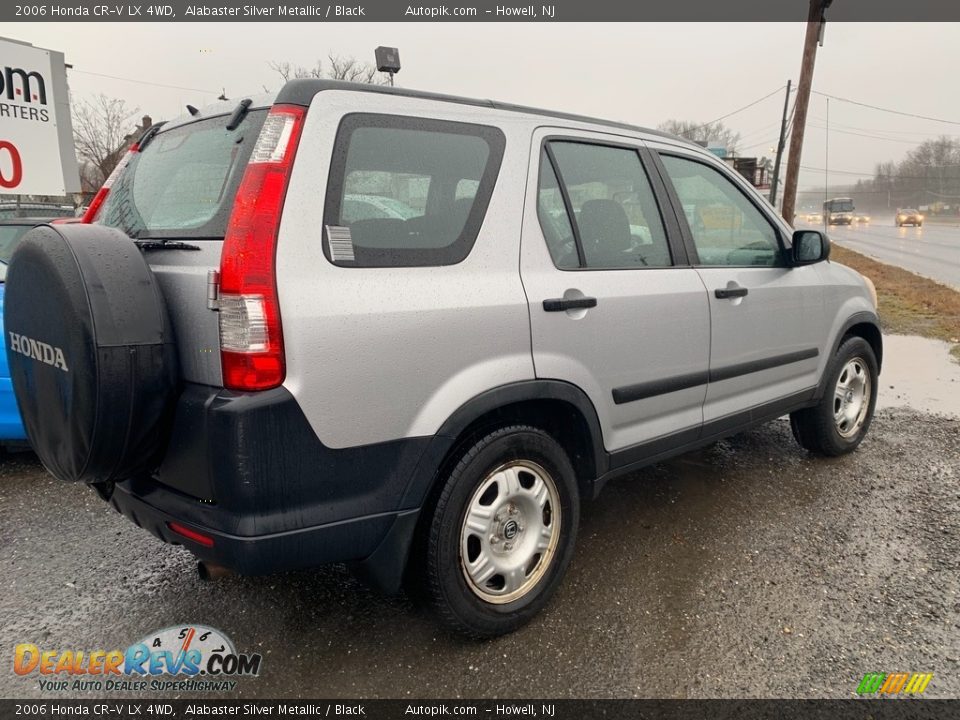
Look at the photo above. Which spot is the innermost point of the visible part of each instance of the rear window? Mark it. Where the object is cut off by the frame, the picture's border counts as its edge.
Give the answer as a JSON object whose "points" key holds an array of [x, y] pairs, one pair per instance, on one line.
{"points": [[408, 191], [183, 182]]}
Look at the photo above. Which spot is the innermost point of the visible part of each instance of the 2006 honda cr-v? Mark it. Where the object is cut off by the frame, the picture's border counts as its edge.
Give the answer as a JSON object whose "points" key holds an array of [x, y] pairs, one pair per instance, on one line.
{"points": [[412, 332]]}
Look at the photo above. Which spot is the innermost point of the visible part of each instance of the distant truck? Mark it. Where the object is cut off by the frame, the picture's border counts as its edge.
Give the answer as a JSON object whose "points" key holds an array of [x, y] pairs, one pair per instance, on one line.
{"points": [[838, 211]]}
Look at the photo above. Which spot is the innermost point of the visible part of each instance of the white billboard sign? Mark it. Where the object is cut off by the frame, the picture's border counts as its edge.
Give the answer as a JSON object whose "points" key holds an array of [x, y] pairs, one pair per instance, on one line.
{"points": [[37, 155]]}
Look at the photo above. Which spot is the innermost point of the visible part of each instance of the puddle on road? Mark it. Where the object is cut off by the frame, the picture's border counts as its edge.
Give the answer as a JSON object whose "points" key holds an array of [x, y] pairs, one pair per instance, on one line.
{"points": [[919, 373]]}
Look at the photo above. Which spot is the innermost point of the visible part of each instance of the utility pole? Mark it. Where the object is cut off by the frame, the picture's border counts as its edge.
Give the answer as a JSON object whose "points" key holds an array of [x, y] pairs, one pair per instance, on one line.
{"points": [[815, 24], [826, 169], [780, 146]]}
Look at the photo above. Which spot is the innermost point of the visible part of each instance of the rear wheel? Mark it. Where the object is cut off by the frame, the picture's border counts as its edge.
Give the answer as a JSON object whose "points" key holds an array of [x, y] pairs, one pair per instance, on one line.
{"points": [[839, 422], [502, 532]]}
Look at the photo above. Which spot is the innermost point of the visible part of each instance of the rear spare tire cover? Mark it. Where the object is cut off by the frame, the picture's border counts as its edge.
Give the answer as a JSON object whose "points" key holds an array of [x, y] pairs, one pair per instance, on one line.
{"points": [[91, 352]]}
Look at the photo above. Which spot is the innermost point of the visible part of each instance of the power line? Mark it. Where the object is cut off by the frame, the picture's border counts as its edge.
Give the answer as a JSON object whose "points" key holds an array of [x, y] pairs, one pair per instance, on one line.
{"points": [[757, 131], [771, 141], [883, 109], [738, 110], [141, 82], [880, 130], [839, 172], [875, 137], [874, 174]]}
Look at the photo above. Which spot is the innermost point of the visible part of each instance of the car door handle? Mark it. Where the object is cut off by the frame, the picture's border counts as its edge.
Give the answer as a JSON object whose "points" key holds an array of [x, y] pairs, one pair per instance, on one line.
{"points": [[730, 292], [561, 304]]}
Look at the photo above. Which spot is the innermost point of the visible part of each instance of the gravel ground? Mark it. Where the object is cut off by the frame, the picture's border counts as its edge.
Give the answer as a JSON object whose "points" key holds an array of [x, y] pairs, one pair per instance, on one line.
{"points": [[745, 570]]}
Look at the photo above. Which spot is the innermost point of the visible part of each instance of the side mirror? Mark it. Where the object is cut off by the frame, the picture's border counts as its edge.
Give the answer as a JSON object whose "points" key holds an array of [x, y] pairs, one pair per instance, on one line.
{"points": [[810, 246]]}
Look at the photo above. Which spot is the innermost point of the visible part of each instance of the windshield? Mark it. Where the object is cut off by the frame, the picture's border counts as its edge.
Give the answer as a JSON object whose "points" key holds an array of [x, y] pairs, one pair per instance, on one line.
{"points": [[840, 206], [183, 183], [10, 236]]}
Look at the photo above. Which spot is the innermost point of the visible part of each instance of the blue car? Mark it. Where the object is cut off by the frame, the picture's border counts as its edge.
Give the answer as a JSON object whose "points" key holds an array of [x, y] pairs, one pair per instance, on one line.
{"points": [[11, 427]]}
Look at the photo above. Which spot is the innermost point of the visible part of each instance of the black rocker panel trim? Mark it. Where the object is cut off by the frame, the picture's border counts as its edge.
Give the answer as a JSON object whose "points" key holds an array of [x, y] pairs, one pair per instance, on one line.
{"points": [[640, 391]]}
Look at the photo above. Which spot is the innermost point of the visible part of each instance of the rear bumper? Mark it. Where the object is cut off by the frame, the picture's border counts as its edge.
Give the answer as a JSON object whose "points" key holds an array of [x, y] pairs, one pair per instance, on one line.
{"points": [[248, 472], [356, 539]]}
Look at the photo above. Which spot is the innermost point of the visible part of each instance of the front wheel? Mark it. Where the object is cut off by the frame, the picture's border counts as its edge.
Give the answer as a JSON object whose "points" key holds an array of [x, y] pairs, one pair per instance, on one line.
{"points": [[837, 424], [502, 532]]}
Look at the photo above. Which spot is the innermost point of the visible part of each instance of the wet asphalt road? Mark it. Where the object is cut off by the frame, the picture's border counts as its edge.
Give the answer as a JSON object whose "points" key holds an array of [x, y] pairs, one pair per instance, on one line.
{"points": [[747, 569], [932, 250]]}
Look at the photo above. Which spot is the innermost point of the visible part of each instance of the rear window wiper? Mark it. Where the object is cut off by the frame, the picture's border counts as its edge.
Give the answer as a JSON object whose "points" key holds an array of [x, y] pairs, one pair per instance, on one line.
{"points": [[164, 245], [239, 113], [149, 135]]}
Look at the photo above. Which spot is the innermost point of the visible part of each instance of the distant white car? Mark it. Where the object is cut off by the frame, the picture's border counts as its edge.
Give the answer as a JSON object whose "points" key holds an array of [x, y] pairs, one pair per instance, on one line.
{"points": [[908, 216]]}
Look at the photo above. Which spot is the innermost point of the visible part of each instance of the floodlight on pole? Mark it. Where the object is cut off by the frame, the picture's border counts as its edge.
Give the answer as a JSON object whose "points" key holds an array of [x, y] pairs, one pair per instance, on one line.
{"points": [[388, 61]]}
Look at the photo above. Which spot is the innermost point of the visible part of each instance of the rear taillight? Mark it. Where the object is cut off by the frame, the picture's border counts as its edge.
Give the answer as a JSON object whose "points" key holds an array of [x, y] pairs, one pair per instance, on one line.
{"points": [[93, 210], [251, 341]]}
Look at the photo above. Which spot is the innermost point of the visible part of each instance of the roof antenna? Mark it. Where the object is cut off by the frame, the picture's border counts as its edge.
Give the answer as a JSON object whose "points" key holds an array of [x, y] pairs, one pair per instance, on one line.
{"points": [[192, 110]]}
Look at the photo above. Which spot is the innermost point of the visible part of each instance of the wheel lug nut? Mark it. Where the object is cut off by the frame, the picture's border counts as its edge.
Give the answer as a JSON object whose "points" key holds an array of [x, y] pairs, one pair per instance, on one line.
{"points": [[508, 546]]}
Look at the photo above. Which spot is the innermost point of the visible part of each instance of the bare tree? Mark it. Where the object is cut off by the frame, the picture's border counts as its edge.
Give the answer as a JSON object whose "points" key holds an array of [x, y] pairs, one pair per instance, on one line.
{"points": [[352, 70], [101, 132], [338, 67], [712, 133], [289, 71]]}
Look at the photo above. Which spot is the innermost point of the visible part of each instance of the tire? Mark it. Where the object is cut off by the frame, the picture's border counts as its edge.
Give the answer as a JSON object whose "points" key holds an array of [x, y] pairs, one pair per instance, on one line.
{"points": [[820, 429], [91, 353], [483, 606]]}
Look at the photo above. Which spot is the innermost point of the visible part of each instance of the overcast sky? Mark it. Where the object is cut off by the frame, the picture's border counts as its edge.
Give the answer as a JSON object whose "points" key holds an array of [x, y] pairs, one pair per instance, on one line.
{"points": [[638, 73]]}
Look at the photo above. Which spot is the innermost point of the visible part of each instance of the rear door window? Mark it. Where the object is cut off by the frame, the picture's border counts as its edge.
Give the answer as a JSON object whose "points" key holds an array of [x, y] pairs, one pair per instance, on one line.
{"points": [[554, 220], [183, 183], [407, 191], [615, 221]]}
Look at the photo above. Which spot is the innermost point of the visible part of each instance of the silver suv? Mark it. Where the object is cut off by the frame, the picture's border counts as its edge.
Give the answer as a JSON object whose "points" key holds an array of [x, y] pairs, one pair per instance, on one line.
{"points": [[414, 332]]}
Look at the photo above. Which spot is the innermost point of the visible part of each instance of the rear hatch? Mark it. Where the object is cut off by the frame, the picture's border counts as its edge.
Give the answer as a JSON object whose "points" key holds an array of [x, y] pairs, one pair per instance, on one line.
{"points": [[174, 198]]}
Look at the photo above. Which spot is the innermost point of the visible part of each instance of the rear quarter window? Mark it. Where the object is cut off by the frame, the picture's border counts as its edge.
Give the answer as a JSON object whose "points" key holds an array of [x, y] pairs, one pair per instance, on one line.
{"points": [[406, 191]]}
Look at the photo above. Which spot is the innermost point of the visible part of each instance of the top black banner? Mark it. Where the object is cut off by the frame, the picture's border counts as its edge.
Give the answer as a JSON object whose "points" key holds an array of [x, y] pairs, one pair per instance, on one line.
{"points": [[482, 11]]}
